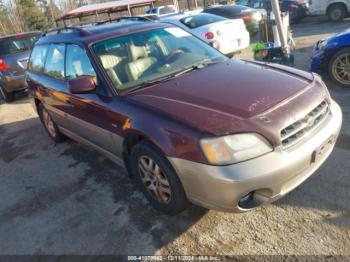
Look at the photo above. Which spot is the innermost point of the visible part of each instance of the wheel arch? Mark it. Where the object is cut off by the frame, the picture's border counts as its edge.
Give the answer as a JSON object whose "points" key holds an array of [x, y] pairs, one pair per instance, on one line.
{"points": [[334, 51], [335, 4]]}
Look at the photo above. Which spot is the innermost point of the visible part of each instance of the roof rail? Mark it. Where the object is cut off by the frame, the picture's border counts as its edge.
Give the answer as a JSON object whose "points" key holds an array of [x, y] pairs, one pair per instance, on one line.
{"points": [[120, 19], [65, 28]]}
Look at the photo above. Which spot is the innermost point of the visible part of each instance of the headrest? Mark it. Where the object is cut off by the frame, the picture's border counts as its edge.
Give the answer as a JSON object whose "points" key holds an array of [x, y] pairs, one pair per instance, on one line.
{"points": [[137, 52], [109, 61]]}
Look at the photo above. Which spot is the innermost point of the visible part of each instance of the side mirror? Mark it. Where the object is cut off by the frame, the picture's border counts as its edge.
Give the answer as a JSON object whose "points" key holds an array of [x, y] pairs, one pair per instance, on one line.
{"points": [[83, 84]]}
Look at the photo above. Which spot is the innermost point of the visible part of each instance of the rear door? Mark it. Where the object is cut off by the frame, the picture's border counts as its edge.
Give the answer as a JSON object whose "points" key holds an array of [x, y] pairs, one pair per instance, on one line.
{"points": [[53, 90], [15, 52]]}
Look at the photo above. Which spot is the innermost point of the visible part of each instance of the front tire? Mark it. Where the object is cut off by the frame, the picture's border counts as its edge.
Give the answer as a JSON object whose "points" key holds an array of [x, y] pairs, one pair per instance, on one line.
{"points": [[8, 97], [157, 179], [49, 125], [339, 68], [336, 13]]}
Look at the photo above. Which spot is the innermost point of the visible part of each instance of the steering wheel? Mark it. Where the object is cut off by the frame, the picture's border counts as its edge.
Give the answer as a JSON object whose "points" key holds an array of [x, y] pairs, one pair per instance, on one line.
{"points": [[174, 55]]}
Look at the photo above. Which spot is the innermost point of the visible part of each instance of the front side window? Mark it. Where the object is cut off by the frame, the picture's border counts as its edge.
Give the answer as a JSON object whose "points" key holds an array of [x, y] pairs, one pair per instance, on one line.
{"points": [[37, 58], [54, 65], [149, 55], [200, 20], [78, 63]]}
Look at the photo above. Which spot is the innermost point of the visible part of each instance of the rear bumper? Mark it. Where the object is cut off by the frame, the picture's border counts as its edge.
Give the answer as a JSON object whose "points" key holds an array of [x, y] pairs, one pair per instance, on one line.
{"points": [[222, 187], [234, 45], [12, 83]]}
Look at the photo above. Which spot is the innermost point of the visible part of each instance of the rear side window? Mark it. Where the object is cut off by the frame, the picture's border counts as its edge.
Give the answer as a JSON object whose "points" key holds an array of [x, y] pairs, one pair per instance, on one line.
{"points": [[17, 44], [37, 58], [78, 63], [54, 65], [216, 11], [200, 20]]}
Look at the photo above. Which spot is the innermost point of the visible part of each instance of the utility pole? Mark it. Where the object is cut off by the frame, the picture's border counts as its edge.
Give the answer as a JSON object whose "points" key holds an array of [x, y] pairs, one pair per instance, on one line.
{"points": [[277, 13]]}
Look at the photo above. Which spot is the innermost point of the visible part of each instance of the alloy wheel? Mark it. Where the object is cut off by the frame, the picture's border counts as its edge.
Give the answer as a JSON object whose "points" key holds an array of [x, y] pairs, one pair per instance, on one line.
{"points": [[154, 179], [341, 69]]}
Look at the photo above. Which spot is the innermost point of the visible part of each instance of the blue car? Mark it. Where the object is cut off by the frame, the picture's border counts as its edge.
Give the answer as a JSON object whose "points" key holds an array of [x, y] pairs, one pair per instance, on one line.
{"points": [[332, 56]]}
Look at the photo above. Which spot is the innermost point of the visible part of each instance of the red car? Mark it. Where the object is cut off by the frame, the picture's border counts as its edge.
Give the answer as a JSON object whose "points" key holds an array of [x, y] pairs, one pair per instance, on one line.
{"points": [[189, 124]]}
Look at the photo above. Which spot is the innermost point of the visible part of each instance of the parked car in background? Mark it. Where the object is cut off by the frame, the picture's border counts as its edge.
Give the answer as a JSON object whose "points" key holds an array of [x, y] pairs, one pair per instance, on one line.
{"points": [[160, 11], [14, 55], [336, 10], [250, 16], [332, 56], [226, 35], [297, 9], [187, 122]]}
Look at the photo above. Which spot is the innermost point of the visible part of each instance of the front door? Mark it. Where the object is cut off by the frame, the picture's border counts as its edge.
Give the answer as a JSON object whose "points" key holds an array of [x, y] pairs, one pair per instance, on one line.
{"points": [[90, 116]]}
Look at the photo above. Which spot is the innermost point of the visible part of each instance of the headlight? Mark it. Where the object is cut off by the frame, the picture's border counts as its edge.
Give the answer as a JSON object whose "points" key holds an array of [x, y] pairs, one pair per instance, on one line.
{"points": [[234, 148], [322, 45], [318, 79], [327, 43]]}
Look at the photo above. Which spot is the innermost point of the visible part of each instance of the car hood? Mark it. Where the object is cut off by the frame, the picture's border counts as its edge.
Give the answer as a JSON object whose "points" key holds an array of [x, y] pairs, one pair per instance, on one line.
{"points": [[221, 97]]}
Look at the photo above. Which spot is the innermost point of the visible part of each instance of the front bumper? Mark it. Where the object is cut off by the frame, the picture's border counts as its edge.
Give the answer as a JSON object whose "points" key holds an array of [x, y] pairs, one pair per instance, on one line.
{"points": [[270, 177]]}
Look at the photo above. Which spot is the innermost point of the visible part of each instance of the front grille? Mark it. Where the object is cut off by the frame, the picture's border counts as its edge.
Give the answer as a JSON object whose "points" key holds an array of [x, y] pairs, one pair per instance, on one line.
{"points": [[296, 131]]}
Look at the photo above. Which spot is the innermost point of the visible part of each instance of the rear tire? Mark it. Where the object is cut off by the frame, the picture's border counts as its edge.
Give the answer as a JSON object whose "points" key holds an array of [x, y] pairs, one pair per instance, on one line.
{"points": [[49, 125], [339, 68], [336, 13], [157, 179], [8, 97]]}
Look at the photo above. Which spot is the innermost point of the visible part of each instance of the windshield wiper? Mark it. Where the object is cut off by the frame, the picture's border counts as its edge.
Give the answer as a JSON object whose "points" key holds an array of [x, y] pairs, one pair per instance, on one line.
{"points": [[173, 75]]}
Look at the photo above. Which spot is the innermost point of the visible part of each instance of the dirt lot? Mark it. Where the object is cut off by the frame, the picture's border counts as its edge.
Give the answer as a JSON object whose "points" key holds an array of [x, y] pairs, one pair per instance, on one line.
{"points": [[68, 199]]}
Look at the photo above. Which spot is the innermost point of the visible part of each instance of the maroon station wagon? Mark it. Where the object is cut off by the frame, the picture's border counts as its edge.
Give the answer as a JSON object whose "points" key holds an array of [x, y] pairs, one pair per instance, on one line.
{"points": [[189, 124]]}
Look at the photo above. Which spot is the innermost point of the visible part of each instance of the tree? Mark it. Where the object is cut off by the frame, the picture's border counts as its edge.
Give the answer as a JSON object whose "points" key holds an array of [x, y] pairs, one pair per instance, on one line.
{"points": [[32, 15]]}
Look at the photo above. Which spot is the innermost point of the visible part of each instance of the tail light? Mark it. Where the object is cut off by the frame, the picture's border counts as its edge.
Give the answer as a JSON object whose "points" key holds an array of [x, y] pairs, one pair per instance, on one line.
{"points": [[209, 35], [264, 53], [3, 66], [245, 17]]}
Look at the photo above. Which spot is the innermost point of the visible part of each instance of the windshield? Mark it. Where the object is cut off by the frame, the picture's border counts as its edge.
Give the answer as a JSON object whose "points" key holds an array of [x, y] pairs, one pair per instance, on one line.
{"points": [[17, 44], [150, 55]]}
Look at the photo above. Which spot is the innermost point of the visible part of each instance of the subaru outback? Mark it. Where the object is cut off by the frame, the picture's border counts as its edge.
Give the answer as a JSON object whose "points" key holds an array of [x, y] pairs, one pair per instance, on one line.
{"points": [[189, 124]]}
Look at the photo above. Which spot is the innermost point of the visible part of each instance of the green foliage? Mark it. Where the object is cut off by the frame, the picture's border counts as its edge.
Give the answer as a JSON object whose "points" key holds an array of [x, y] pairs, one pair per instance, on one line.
{"points": [[33, 17]]}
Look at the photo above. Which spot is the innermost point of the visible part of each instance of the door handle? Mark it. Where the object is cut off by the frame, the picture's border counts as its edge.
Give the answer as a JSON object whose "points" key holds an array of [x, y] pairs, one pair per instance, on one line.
{"points": [[69, 102]]}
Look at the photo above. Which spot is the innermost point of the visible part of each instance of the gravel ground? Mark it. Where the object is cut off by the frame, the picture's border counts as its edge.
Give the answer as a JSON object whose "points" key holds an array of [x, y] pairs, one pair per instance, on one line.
{"points": [[68, 199]]}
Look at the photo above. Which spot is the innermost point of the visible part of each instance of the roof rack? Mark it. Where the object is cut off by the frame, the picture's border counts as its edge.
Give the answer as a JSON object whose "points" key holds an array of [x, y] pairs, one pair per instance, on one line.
{"points": [[79, 27], [119, 19], [66, 28]]}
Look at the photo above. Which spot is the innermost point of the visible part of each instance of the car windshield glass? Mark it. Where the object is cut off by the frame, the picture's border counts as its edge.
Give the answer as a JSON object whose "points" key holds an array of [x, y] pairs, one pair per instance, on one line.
{"points": [[151, 55], [17, 44], [200, 20]]}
